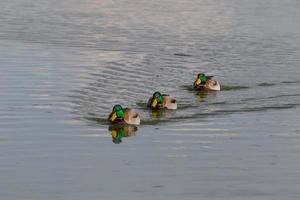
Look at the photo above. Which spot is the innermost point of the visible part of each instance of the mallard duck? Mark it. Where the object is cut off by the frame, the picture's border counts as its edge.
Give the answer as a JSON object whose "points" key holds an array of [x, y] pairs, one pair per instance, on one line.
{"points": [[159, 101], [204, 82], [119, 115]]}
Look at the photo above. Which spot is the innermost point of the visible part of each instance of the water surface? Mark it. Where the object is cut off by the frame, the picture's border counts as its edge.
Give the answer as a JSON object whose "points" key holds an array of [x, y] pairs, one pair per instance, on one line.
{"points": [[64, 64]]}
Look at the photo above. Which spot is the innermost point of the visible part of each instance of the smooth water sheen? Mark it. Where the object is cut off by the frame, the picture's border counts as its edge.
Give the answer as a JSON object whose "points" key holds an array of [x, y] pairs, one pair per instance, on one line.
{"points": [[65, 63]]}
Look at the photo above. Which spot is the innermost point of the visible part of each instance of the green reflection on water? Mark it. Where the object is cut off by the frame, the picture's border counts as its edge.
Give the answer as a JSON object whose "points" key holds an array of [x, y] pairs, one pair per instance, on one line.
{"points": [[118, 132]]}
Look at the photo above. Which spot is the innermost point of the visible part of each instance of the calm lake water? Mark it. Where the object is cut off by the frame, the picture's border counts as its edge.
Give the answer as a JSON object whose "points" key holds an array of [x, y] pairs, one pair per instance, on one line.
{"points": [[65, 63]]}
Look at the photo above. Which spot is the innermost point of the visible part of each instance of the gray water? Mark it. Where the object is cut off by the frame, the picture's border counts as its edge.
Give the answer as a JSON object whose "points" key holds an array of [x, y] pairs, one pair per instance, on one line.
{"points": [[65, 63]]}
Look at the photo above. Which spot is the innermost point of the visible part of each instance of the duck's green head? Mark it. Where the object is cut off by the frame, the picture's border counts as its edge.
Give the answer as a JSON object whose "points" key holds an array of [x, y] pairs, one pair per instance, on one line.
{"points": [[117, 113], [157, 99], [200, 80]]}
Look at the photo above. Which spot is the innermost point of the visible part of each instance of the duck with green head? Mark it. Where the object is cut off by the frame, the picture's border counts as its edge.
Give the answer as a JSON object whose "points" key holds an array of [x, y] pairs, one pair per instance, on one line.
{"points": [[159, 101], [119, 115], [204, 82]]}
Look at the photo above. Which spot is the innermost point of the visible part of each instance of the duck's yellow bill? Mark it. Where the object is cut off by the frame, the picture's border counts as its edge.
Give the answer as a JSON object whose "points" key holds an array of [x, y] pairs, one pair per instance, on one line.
{"points": [[113, 117], [154, 103], [198, 81]]}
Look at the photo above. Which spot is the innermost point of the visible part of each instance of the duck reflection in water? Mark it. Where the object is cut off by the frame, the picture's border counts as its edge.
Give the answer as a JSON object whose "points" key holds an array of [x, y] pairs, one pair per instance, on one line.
{"points": [[161, 114], [120, 131], [203, 95]]}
